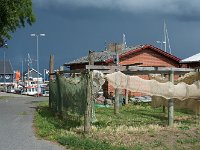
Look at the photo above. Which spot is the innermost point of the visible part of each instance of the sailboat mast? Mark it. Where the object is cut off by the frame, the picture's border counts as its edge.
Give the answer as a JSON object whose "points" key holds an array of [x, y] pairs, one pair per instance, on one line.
{"points": [[28, 69], [170, 51], [124, 42], [165, 37]]}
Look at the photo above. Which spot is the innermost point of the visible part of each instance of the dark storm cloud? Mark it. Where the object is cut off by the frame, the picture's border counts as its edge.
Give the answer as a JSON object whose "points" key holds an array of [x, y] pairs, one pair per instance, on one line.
{"points": [[142, 20], [83, 13], [73, 27], [182, 9]]}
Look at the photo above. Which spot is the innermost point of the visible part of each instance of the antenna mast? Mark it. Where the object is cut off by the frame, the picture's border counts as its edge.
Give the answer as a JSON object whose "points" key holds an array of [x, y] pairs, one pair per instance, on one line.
{"points": [[105, 45], [166, 38], [170, 51], [29, 60], [29, 63], [124, 42]]}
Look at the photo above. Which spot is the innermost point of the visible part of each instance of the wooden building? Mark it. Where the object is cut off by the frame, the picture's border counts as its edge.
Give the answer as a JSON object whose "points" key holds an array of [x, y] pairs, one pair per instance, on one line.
{"points": [[142, 55]]}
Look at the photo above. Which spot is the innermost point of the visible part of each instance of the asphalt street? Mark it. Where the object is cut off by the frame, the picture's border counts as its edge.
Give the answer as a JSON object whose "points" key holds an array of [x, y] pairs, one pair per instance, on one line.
{"points": [[16, 121]]}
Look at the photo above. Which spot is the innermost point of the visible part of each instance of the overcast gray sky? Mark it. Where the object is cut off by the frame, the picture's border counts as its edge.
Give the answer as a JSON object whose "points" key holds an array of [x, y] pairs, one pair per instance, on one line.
{"points": [[73, 27]]}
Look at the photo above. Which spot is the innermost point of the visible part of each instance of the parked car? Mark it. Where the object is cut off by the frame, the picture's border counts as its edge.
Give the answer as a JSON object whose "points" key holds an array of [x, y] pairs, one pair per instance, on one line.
{"points": [[45, 93], [10, 89], [141, 99], [18, 91]]}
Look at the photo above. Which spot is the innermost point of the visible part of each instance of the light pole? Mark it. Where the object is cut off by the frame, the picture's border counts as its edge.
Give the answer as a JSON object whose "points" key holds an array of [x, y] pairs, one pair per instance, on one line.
{"points": [[161, 42], [37, 36], [4, 66], [22, 70]]}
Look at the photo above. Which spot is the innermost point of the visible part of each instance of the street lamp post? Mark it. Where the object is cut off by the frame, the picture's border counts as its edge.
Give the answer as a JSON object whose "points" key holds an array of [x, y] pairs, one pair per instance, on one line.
{"points": [[4, 66], [37, 36], [161, 42], [22, 70]]}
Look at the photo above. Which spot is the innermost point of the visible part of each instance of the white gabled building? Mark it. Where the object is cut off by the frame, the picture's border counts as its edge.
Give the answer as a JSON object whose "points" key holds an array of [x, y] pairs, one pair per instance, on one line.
{"points": [[191, 62], [33, 75]]}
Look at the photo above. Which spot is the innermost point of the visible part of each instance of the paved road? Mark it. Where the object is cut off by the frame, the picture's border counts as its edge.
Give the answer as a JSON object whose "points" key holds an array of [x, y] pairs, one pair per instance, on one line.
{"points": [[16, 132]]}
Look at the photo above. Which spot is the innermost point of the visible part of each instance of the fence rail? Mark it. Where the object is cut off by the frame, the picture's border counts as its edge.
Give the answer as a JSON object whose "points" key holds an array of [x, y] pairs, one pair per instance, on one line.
{"points": [[89, 80]]}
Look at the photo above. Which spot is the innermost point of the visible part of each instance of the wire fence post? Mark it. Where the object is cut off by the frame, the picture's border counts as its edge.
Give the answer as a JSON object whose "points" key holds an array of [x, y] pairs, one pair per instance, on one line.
{"points": [[116, 110], [126, 91], [88, 110], [51, 68], [59, 99], [59, 88], [171, 103]]}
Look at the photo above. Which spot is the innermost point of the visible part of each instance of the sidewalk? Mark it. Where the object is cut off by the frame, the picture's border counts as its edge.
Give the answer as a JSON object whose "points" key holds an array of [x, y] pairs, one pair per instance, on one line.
{"points": [[16, 117]]}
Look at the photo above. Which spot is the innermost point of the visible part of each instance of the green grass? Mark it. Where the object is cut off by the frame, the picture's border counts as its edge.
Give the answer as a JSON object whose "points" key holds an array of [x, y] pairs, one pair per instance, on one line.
{"points": [[86, 143], [130, 116], [190, 140], [137, 127], [3, 97], [53, 128]]}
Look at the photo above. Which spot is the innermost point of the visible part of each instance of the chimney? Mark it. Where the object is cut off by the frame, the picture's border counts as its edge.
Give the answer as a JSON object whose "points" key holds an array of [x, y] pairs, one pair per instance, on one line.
{"points": [[115, 47]]}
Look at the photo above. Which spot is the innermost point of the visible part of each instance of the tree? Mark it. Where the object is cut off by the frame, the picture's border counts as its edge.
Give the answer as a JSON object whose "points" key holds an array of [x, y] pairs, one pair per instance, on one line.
{"points": [[14, 14]]}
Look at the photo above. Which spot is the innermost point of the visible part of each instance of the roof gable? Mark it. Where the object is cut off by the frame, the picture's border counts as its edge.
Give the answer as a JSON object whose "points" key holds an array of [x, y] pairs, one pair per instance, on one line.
{"points": [[144, 47], [32, 72], [107, 56], [194, 58]]}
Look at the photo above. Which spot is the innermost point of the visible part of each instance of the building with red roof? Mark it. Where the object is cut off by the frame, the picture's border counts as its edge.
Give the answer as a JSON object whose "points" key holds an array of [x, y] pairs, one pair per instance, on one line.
{"points": [[144, 55]]}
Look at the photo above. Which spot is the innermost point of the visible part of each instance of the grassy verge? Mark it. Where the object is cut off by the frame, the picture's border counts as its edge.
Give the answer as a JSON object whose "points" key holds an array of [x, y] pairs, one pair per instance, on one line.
{"points": [[135, 128], [3, 97]]}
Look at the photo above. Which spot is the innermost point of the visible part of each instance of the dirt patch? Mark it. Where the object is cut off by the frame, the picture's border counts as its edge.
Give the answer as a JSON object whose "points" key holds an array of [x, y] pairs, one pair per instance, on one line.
{"points": [[151, 137]]}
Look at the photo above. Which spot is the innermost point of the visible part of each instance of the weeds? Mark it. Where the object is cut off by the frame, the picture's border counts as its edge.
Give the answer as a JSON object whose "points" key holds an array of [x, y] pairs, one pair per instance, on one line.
{"points": [[87, 144], [4, 97], [184, 127], [190, 140], [23, 113], [137, 127]]}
